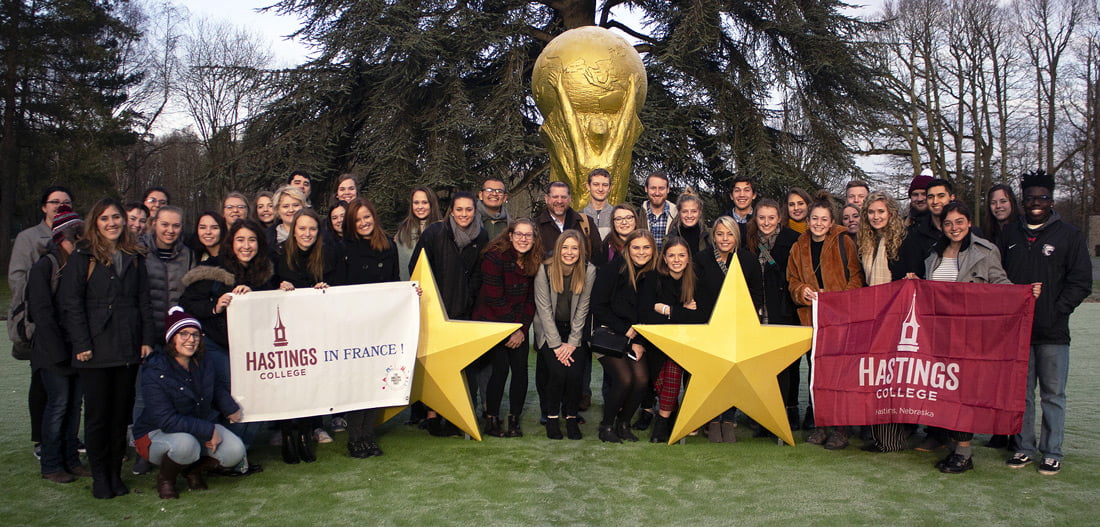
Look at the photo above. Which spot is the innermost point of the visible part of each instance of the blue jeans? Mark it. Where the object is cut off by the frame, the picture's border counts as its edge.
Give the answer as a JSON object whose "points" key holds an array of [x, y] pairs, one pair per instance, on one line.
{"points": [[185, 449], [218, 358], [60, 421], [1048, 366]]}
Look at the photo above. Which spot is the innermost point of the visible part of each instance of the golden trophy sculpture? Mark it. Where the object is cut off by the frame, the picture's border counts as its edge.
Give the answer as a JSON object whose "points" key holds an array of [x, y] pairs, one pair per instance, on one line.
{"points": [[589, 84]]}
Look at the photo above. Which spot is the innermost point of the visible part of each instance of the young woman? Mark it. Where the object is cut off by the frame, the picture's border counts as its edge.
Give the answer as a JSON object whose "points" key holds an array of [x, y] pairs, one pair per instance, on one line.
{"points": [[104, 299], [347, 188], [209, 233], [178, 428], [688, 223], [137, 218], [288, 201], [671, 297], [453, 247], [51, 355], [563, 290], [508, 267], [624, 219], [243, 267], [770, 240], [1002, 208], [615, 305], [423, 211], [823, 259], [303, 260], [370, 257], [883, 254], [850, 216], [798, 208], [963, 257], [335, 224], [713, 263], [263, 209]]}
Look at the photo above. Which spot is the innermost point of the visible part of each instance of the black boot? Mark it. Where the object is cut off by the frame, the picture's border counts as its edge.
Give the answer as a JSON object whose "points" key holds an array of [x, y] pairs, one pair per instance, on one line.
{"points": [[101, 484], [622, 429], [305, 447], [662, 426], [513, 427], [645, 418], [808, 420], [573, 429], [607, 434], [553, 428], [792, 417], [117, 486], [290, 448], [166, 478], [492, 426]]}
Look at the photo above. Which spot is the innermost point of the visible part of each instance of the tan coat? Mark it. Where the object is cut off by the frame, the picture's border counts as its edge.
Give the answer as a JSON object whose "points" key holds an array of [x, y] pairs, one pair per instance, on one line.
{"points": [[800, 269]]}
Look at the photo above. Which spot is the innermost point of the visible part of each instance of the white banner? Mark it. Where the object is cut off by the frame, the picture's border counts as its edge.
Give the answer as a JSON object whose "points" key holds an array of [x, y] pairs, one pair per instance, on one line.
{"points": [[318, 351]]}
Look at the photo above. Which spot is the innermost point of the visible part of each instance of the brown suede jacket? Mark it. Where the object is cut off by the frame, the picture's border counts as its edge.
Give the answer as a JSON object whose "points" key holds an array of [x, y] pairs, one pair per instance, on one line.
{"points": [[800, 269]]}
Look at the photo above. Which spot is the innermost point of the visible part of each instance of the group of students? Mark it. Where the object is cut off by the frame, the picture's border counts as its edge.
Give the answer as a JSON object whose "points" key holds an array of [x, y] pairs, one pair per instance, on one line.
{"points": [[128, 292]]}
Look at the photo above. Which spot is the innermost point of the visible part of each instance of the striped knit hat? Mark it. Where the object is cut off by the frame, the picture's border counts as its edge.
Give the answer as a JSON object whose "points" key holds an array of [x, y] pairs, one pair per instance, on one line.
{"points": [[176, 320], [65, 219]]}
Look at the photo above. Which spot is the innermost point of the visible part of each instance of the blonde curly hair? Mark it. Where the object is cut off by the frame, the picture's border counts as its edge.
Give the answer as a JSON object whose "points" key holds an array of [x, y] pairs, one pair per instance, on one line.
{"points": [[894, 232]]}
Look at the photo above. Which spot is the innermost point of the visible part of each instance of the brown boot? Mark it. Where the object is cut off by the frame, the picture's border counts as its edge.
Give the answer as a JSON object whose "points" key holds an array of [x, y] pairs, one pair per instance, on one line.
{"points": [[194, 471], [166, 478]]}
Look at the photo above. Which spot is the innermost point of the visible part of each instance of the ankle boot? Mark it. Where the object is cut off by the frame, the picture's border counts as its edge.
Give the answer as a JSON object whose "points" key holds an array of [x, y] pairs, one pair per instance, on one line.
{"points": [[607, 434], [101, 485], [553, 428], [194, 472], [290, 448], [573, 429], [729, 432], [492, 426], [513, 427], [645, 418], [714, 432], [622, 430], [166, 478], [305, 447], [662, 426]]}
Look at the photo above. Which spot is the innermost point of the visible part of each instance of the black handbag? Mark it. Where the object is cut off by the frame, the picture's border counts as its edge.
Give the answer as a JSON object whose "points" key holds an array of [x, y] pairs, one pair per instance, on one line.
{"points": [[605, 341]]}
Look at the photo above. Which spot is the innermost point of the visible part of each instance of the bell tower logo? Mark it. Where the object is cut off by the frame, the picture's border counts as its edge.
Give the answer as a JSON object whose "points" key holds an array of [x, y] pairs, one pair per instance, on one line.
{"points": [[280, 329], [909, 329]]}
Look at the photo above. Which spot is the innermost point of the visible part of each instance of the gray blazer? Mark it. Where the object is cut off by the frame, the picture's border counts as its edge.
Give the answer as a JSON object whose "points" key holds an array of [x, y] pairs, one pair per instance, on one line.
{"points": [[979, 262], [546, 332]]}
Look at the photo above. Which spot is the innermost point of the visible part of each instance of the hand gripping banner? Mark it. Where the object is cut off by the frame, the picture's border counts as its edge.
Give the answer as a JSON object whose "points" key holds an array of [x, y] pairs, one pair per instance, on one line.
{"points": [[946, 354]]}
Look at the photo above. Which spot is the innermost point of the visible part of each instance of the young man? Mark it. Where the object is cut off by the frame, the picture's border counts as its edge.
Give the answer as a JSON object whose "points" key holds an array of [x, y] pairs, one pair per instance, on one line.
{"points": [[657, 212], [1043, 249], [925, 229], [599, 187], [743, 195], [304, 182], [918, 196], [491, 212], [855, 192], [29, 246]]}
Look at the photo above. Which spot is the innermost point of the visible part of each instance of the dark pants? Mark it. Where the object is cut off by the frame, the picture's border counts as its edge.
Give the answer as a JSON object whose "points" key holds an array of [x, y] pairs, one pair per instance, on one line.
{"points": [[565, 384], [788, 383], [108, 403], [361, 424], [36, 403], [505, 359], [60, 421], [629, 384]]}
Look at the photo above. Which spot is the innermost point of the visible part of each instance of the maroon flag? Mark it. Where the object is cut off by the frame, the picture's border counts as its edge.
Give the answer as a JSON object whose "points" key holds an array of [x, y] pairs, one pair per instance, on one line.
{"points": [[946, 354]]}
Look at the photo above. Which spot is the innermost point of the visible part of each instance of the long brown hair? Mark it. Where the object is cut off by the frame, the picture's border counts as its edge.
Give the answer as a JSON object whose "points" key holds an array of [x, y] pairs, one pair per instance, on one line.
{"points": [[612, 237], [256, 272], [378, 239], [97, 244], [752, 233], [628, 264], [411, 224], [556, 269], [316, 262], [528, 261], [687, 279]]}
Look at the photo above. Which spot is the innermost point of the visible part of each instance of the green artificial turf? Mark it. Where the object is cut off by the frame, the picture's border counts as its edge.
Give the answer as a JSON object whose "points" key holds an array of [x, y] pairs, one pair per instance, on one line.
{"points": [[423, 480]]}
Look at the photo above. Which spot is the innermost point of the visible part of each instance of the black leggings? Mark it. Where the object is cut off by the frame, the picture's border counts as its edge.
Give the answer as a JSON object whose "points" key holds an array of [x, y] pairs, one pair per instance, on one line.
{"points": [[505, 359], [629, 384]]}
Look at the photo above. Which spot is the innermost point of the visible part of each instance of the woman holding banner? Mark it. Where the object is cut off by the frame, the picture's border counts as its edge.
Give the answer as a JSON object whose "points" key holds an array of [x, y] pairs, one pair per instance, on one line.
{"points": [[508, 268], [206, 240], [823, 259], [962, 257], [713, 263], [615, 307], [370, 257], [563, 290]]}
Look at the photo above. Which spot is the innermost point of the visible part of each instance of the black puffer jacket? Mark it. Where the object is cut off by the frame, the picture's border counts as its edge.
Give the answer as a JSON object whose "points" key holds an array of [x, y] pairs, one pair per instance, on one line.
{"points": [[1056, 255], [166, 278], [203, 286], [50, 345], [456, 271], [106, 311]]}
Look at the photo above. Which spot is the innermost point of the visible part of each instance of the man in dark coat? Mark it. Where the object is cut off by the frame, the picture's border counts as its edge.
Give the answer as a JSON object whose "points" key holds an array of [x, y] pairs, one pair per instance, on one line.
{"points": [[559, 217]]}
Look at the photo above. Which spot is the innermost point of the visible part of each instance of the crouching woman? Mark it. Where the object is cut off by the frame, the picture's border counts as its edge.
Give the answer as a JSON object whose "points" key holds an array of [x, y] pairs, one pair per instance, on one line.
{"points": [[178, 427]]}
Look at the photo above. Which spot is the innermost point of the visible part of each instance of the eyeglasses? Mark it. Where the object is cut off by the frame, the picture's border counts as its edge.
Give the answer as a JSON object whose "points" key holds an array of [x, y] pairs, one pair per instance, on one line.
{"points": [[189, 335], [155, 201], [238, 207], [624, 219], [57, 202], [1043, 197], [494, 191], [524, 235]]}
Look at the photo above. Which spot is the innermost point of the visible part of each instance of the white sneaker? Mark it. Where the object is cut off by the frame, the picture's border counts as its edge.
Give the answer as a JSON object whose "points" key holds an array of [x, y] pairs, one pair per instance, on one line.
{"points": [[321, 436]]}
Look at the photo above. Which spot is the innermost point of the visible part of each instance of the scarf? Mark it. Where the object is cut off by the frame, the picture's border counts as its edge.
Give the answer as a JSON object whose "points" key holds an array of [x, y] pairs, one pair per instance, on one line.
{"points": [[721, 262], [877, 267], [483, 212], [464, 237], [797, 226]]}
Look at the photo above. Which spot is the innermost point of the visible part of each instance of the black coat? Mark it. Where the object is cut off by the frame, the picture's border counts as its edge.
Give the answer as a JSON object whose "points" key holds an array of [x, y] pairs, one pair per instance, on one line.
{"points": [[181, 401], [203, 286], [614, 300], [777, 296], [362, 264], [299, 276], [664, 289], [1056, 255], [50, 345], [711, 278], [107, 311], [455, 270], [548, 232]]}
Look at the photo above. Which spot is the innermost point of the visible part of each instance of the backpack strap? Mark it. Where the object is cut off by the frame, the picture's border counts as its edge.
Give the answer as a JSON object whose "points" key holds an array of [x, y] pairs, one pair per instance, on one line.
{"points": [[844, 258]]}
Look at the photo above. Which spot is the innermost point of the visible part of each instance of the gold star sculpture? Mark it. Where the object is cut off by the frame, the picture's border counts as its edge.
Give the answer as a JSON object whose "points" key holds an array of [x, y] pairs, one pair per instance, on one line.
{"points": [[733, 360], [445, 348]]}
